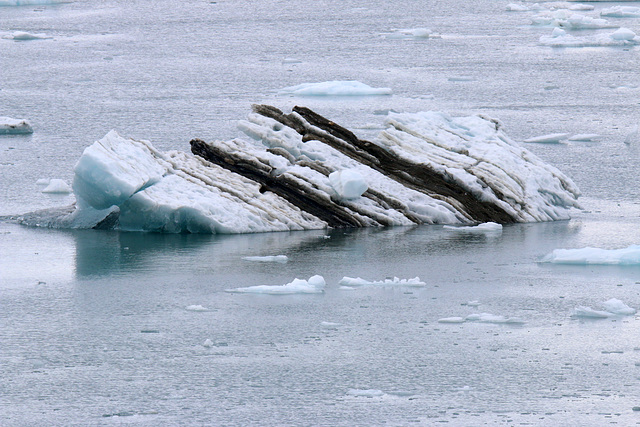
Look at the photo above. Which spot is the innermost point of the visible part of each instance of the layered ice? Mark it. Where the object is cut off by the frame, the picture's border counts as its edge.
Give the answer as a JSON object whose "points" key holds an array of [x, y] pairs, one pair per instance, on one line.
{"points": [[620, 37], [9, 126], [315, 285], [357, 281], [335, 88], [129, 185], [596, 256]]}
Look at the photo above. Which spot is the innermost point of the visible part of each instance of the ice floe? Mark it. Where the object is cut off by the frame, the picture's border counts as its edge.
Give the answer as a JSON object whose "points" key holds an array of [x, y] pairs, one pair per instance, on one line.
{"points": [[57, 186], [9, 126], [196, 307], [365, 393], [612, 307], [335, 88], [620, 37], [357, 281], [486, 227], [552, 138], [25, 36], [315, 285], [621, 12], [595, 256], [483, 318], [282, 259], [412, 34]]}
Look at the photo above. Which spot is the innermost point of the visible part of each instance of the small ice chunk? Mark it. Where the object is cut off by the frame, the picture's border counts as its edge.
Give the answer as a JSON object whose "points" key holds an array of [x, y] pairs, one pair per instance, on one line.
{"points": [[357, 281], [330, 324], [57, 186], [43, 181], [552, 138], [451, 320], [585, 137], [291, 61], [24, 36], [485, 227], [365, 393], [196, 308], [412, 34], [623, 34], [348, 183], [588, 312], [621, 12], [207, 343], [315, 285], [513, 7], [597, 256], [335, 88], [492, 318], [271, 258], [615, 306], [9, 126]]}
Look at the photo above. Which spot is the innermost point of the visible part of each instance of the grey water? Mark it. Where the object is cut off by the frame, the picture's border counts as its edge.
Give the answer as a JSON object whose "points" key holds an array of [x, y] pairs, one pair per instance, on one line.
{"points": [[99, 328]]}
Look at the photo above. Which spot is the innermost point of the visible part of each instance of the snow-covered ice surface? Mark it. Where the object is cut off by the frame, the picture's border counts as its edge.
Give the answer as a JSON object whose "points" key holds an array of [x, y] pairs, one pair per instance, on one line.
{"points": [[94, 328]]}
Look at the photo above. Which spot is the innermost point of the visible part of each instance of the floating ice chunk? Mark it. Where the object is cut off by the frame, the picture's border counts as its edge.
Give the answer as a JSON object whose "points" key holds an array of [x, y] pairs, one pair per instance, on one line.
{"points": [[43, 181], [451, 320], [348, 183], [485, 227], [196, 308], [623, 34], [571, 21], [621, 12], [282, 259], [588, 256], [632, 136], [473, 303], [330, 324], [492, 318], [207, 343], [365, 393], [588, 312], [57, 186], [585, 137], [615, 306], [513, 7], [552, 138], [9, 126], [621, 37], [412, 34], [291, 61], [357, 281], [315, 285], [335, 88], [24, 36]]}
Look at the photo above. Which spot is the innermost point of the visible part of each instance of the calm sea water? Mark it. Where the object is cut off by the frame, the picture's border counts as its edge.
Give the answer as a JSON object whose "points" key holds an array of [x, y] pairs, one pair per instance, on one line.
{"points": [[95, 327]]}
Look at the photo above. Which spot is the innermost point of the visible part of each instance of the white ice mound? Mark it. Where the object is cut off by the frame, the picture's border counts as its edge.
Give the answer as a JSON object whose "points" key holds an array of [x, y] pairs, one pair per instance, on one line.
{"points": [[282, 259], [315, 285], [335, 88], [57, 186], [589, 256], [485, 227], [620, 37], [612, 307], [9, 126], [357, 281], [621, 12], [348, 184], [24, 36]]}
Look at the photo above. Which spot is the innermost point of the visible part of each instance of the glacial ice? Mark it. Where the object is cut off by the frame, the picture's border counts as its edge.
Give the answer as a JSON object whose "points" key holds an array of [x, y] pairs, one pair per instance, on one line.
{"points": [[621, 12], [485, 227], [620, 37], [128, 184], [335, 88], [595, 256], [315, 285], [270, 258], [57, 186], [612, 307], [357, 281], [9, 126]]}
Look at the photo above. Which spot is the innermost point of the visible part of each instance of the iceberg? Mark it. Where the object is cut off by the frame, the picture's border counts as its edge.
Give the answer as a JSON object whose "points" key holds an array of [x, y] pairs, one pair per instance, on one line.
{"points": [[301, 171], [595, 256], [315, 285], [9, 126], [357, 281], [335, 88]]}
